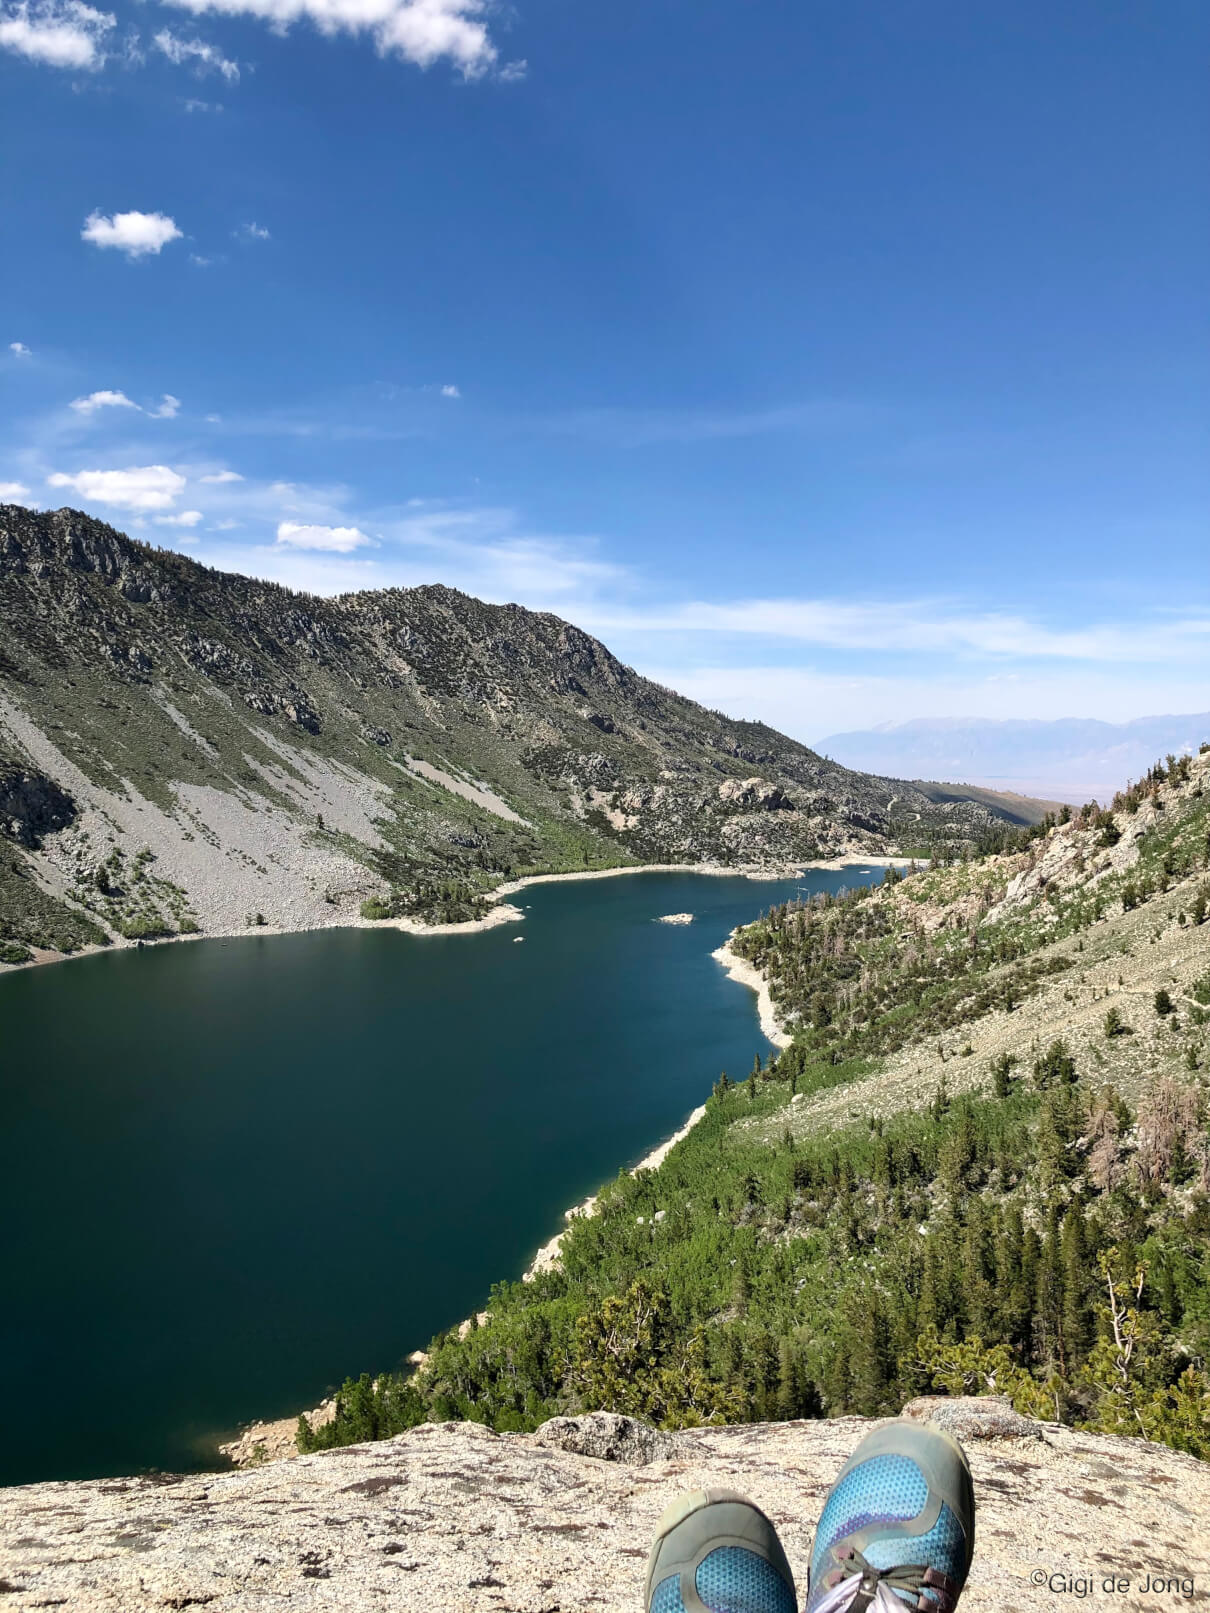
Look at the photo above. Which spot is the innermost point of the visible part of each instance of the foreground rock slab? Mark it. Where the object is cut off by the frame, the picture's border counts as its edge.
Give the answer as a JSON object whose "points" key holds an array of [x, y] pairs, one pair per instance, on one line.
{"points": [[453, 1517]]}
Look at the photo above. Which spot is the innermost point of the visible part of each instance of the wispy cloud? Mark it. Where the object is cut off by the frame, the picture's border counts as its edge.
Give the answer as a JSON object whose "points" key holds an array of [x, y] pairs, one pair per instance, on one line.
{"points": [[809, 702], [252, 232], [450, 391], [168, 409], [56, 33], [196, 53], [639, 428], [19, 349], [185, 518], [219, 477], [137, 235], [422, 32], [13, 492], [916, 627]]}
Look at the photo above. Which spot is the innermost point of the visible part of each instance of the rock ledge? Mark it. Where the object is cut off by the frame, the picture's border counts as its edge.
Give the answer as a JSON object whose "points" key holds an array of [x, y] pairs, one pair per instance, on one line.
{"points": [[453, 1517]]}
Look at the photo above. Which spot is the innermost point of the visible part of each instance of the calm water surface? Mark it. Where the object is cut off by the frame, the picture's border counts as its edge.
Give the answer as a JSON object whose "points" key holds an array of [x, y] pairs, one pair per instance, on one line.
{"points": [[236, 1171]]}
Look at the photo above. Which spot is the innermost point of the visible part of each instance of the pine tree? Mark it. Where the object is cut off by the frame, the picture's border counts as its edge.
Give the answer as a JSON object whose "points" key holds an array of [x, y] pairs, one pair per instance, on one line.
{"points": [[1002, 1075], [1051, 1145], [1075, 1322], [872, 1365], [977, 1270], [1048, 1300]]}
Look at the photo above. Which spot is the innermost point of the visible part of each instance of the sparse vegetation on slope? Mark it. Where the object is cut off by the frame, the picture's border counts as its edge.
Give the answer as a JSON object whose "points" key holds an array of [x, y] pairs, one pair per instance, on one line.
{"points": [[951, 1179], [408, 749]]}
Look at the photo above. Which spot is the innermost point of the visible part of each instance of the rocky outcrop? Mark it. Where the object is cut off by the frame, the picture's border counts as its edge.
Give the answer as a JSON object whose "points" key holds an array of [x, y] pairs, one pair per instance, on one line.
{"points": [[31, 805], [756, 794], [451, 1518]]}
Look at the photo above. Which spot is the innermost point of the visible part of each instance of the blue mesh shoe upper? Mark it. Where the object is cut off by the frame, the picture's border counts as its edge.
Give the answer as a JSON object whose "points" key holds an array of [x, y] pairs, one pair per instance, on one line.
{"points": [[666, 1597], [729, 1580], [732, 1580], [886, 1489]]}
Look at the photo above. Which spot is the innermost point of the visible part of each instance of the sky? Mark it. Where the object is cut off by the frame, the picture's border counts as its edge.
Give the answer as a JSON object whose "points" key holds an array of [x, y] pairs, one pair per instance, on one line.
{"points": [[836, 362]]}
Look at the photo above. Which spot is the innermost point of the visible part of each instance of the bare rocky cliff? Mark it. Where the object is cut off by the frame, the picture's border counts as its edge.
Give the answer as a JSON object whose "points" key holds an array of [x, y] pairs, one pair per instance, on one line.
{"points": [[454, 1519]]}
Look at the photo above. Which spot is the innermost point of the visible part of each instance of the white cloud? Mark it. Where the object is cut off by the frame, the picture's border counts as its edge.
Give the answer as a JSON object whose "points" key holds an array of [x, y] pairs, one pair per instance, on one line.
{"points": [[337, 539], [204, 57], [251, 232], [20, 349], [136, 234], [419, 31], [13, 492], [185, 518], [56, 33], [168, 408], [450, 392], [193, 105], [102, 400], [216, 478], [930, 627], [139, 487]]}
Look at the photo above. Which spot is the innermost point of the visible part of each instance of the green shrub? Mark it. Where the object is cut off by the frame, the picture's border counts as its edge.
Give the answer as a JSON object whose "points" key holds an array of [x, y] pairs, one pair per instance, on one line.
{"points": [[14, 952], [375, 908], [143, 928]]}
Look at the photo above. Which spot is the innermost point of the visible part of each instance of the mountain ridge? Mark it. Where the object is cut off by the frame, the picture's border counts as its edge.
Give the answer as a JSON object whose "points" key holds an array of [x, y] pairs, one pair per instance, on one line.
{"points": [[185, 750]]}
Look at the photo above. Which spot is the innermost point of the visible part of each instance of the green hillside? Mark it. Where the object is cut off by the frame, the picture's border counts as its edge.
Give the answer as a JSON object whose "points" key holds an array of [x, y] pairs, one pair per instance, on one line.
{"points": [[982, 1162]]}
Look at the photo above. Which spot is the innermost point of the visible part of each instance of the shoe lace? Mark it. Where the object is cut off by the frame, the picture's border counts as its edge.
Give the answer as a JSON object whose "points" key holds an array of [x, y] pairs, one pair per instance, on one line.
{"points": [[888, 1590]]}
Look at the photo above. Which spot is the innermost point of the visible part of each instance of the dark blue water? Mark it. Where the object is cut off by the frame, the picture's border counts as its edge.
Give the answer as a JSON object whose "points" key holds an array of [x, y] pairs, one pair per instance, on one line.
{"points": [[236, 1171]]}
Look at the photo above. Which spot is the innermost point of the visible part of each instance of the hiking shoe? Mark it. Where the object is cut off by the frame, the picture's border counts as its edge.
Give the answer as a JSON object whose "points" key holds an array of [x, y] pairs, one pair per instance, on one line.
{"points": [[898, 1527], [714, 1552]]}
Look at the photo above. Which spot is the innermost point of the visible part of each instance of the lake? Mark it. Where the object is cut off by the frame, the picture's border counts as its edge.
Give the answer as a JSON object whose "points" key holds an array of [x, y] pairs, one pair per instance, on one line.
{"points": [[237, 1171]]}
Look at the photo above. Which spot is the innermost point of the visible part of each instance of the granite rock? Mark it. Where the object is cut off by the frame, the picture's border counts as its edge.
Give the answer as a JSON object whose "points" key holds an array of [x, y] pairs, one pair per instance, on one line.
{"points": [[451, 1518]]}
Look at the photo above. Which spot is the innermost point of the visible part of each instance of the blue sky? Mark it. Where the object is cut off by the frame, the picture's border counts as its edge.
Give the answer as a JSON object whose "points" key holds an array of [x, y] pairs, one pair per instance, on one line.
{"points": [[837, 363]]}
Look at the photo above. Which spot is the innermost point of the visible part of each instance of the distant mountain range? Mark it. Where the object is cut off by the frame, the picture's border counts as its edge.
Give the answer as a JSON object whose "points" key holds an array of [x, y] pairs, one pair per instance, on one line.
{"points": [[1070, 758]]}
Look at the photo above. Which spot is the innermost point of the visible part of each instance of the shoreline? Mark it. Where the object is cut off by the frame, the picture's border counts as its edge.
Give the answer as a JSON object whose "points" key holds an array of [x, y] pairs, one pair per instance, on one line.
{"points": [[273, 1439], [501, 912], [747, 974], [547, 1256]]}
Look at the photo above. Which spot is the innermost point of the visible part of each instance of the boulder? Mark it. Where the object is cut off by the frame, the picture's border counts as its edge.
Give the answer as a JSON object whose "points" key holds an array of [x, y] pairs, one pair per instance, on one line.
{"points": [[608, 1437]]}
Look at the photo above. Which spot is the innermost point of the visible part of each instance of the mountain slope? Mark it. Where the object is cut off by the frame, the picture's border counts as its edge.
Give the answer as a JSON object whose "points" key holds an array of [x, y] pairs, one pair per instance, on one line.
{"points": [[184, 748]]}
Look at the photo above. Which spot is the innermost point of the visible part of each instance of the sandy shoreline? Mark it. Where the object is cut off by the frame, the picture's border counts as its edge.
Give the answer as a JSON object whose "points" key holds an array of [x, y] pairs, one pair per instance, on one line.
{"points": [[501, 912], [749, 975], [547, 1256]]}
